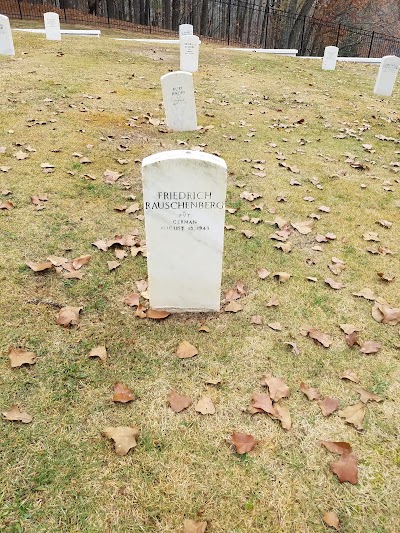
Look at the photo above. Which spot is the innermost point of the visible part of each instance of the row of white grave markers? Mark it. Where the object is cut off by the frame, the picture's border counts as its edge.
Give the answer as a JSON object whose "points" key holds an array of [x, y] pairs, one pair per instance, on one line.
{"points": [[6, 40], [387, 73], [189, 53], [179, 102]]}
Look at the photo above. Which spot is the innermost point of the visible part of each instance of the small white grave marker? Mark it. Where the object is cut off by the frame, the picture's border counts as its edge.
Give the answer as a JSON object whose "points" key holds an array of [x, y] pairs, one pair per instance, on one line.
{"points": [[184, 205], [185, 29], [387, 75], [52, 26], [179, 102], [6, 40], [189, 53], [330, 58]]}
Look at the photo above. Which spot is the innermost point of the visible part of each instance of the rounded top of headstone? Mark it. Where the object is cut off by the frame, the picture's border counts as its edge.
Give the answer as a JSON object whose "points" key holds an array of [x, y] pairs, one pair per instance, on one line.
{"points": [[189, 155]]}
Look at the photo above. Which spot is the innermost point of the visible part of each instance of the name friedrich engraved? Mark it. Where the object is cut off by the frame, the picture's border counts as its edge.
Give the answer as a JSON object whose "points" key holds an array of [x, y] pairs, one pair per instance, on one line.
{"points": [[164, 201]]}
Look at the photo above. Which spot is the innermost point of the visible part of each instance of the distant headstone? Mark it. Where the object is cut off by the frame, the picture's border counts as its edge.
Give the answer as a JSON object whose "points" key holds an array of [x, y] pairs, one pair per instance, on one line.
{"points": [[179, 102], [330, 58], [52, 26], [189, 53], [184, 205], [387, 75], [185, 29], [6, 40]]}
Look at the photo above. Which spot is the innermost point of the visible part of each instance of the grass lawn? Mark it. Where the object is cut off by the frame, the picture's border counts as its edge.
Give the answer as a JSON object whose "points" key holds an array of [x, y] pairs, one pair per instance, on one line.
{"points": [[100, 99]]}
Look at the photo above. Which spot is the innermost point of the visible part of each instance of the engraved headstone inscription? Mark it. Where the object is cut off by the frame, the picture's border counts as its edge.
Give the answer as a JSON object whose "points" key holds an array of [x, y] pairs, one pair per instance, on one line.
{"points": [[330, 58], [179, 102], [189, 53], [52, 26], [6, 40], [387, 74], [184, 205], [185, 29]]}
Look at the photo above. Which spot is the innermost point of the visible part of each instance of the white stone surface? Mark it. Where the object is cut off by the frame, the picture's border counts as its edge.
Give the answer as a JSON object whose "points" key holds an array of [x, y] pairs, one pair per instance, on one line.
{"points": [[330, 58], [189, 53], [52, 26], [179, 103], [185, 29], [387, 75], [6, 40], [184, 205], [279, 51]]}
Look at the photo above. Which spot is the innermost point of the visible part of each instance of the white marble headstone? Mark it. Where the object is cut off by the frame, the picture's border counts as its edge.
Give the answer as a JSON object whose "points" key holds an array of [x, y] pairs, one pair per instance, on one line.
{"points": [[52, 26], [184, 205], [179, 103], [189, 53], [185, 29], [330, 58], [6, 40], [387, 75]]}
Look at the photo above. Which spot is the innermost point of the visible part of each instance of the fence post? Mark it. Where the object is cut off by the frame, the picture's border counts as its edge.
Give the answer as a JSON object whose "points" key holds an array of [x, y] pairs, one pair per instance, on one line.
{"points": [[229, 20], [338, 35], [149, 22], [370, 44], [302, 36], [20, 10]]}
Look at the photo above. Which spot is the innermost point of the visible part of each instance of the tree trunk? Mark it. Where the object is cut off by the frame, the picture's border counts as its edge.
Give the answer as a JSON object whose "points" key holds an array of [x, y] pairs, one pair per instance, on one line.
{"points": [[204, 18]]}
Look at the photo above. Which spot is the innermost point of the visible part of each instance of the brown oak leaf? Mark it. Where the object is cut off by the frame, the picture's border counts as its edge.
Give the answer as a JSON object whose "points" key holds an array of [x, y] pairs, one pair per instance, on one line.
{"points": [[320, 337], [277, 387], [16, 415], [68, 316], [367, 396], [80, 261], [122, 393], [354, 414], [331, 519], [100, 352], [310, 392], [346, 468], [19, 357], [371, 347], [178, 402], [328, 405], [205, 406], [243, 442], [157, 315], [123, 436], [39, 267], [191, 526], [186, 350]]}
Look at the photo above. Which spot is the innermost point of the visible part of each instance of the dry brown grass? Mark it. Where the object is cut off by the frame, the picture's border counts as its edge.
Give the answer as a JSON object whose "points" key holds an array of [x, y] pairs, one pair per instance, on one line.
{"points": [[59, 473]]}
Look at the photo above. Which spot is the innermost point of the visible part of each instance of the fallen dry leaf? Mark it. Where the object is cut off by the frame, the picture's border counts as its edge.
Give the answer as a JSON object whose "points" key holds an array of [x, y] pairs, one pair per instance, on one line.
{"points": [[141, 285], [157, 315], [303, 227], [140, 311], [337, 447], [386, 277], [80, 261], [386, 314], [348, 328], [101, 245], [352, 339], [354, 414], [191, 526], [366, 293], [19, 357], [277, 387], [276, 326], [112, 265], [371, 236], [132, 299], [243, 442], [122, 393], [272, 302], [346, 468], [320, 337], [263, 273], [7, 205], [334, 284], [283, 416], [68, 316], [328, 405], [205, 406], [371, 347], [123, 436], [178, 402], [98, 351], [233, 307], [263, 402], [331, 519], [39, 267], [310, 392], [350, 375], [257, 320], [295, 349], [186, 350], [367, 396], [282, 276], [16, 415]]}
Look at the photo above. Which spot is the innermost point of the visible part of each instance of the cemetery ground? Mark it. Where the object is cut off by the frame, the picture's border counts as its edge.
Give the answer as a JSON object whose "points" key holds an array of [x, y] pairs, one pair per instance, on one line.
{"points": [[297, 142]]}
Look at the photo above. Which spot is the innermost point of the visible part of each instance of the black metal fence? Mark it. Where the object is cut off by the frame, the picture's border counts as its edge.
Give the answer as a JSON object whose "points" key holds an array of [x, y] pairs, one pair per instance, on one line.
{"points": [[234, 22]]}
